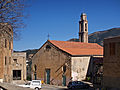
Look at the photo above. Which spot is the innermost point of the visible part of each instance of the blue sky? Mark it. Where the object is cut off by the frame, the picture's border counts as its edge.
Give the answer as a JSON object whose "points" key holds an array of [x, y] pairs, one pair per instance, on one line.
{"points": [[60, 18]]}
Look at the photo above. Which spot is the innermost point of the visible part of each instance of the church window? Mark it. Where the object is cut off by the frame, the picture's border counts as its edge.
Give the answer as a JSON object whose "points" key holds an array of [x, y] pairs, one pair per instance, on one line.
{"points": [[48, 47], [85, 26], [64, 68]]}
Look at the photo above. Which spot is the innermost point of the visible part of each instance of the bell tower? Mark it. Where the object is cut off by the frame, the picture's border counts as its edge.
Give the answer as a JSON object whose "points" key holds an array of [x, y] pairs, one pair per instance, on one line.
{"points": [[83, 28]]}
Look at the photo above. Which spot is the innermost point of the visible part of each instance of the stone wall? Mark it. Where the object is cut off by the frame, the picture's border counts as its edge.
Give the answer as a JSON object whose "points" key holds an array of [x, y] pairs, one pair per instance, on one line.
{"points": [[6, 49], [19, 63], [79, 67], [50, 57], [111, 63]]}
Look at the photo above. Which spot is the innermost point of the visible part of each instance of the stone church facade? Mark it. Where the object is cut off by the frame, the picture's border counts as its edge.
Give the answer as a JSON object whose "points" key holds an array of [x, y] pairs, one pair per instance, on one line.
{"points": [[59, 62]]}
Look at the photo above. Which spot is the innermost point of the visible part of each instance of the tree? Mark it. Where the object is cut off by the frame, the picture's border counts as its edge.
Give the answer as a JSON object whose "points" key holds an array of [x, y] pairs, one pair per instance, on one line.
{"points": [[12, 12]]}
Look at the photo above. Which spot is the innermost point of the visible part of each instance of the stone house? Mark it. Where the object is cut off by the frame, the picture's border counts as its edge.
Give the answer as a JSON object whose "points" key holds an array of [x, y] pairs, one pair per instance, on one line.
{"points": [[58, 62], [6, 49], [111, 63], [19, 67]]}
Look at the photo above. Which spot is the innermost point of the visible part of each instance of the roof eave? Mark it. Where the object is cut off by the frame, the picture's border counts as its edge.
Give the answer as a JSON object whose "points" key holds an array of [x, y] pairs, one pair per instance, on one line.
{"points": [[84, 55]]}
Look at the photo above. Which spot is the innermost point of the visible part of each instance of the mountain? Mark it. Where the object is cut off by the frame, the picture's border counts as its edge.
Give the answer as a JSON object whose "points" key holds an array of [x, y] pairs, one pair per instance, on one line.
{"points": [[29, 51], [98, 37]]}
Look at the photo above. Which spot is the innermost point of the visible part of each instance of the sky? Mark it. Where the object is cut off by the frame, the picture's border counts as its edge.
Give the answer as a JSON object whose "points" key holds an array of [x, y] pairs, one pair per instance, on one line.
{"points": [[60, 19]]}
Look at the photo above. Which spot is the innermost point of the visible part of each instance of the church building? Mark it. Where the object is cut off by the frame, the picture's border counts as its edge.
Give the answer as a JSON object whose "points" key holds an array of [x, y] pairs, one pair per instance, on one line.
{"points": [[59, 62]]}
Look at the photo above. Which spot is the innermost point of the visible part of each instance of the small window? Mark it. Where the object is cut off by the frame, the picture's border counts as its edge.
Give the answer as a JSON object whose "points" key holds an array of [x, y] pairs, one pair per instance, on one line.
{"points": [[9, 60], [85, 26], [112, 48], [15, 60], [5, 43], [9, 30], [48, 47], [5, 60], [83, 69], [64, 68], [9, 45]]}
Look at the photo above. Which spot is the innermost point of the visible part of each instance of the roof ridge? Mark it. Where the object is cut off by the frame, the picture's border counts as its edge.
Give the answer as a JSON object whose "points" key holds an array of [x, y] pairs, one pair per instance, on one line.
{"points": [[72, 42], [78, 48]]}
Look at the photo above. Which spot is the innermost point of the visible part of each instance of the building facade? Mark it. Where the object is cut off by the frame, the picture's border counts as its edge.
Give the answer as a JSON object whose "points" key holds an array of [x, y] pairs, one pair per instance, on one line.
{"points": [[19, 67], [59, 62], [6, 49], [111, 63]]}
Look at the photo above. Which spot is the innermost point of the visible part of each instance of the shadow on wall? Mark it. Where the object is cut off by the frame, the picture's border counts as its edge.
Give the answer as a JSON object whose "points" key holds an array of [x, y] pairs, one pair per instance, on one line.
{"points": [[95, 71]]}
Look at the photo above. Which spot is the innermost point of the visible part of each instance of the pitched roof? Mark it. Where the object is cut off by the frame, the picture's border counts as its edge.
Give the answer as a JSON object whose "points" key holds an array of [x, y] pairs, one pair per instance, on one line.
{"points": [[78, 48]]}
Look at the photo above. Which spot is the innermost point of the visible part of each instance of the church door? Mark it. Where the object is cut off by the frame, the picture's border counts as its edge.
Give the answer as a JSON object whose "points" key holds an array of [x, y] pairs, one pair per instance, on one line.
{"points": [[64, 80], [48, 76]]}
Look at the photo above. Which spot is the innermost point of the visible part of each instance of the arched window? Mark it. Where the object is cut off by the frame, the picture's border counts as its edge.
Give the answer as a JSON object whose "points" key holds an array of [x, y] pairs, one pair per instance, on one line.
{"points": [[85, 26], [48, 47]]}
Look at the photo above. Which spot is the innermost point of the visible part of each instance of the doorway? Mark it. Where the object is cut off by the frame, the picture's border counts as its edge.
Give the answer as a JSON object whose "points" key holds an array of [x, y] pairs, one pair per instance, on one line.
{"points": [[64, 80], [47, 76], [16, 74]]}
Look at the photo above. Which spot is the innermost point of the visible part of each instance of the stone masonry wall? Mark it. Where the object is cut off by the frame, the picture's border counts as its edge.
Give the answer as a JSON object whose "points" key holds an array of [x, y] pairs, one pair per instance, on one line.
{"points": [[20, 64], [54, 59], [111, 64], [6, 48]]}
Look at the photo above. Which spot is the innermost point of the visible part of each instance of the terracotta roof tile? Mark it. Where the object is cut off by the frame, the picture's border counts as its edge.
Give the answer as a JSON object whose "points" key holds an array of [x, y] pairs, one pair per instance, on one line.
{"points": [[78, 48]]}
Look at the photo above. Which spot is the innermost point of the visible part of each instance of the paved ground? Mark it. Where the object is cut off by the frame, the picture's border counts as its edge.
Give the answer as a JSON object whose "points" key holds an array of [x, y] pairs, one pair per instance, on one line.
{"points": [[9, 86], [53, 87]]}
